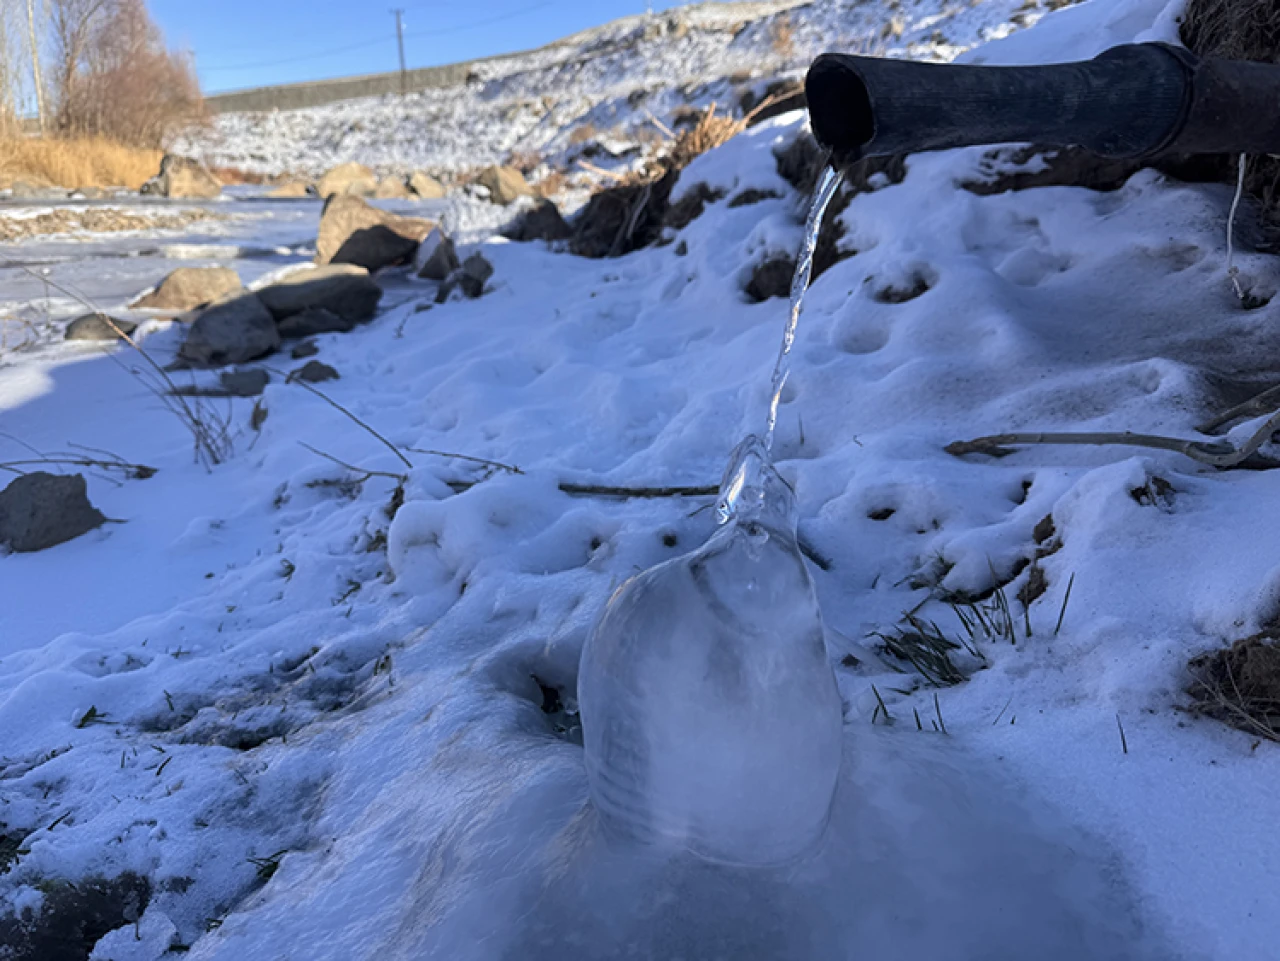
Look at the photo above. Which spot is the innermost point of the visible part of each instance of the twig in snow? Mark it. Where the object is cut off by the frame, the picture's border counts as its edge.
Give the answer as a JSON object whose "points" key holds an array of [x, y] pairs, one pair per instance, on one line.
{"points": [[364, 472], [210, 433], [1065, 600], [601, 490], [1265, 403], [1214, 454], [509, 468], [334, 404], [1124, 742]]}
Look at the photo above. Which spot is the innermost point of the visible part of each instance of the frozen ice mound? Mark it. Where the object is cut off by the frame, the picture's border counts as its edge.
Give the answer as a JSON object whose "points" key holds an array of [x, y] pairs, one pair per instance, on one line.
{"points": [[710, 712]]}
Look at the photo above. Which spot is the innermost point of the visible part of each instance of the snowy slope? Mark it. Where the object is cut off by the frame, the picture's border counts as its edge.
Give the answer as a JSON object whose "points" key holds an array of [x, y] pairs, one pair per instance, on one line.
{"points": [[612, 79], [288, 673]]}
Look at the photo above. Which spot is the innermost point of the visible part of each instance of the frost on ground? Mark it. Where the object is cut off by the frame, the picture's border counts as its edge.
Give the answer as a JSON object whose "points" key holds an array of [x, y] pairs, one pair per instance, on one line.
{"points": [[288, 709]]}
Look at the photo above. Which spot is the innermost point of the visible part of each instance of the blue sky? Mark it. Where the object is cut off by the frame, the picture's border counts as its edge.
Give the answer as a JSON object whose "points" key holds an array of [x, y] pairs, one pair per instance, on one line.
{"points": [[248, 43]]}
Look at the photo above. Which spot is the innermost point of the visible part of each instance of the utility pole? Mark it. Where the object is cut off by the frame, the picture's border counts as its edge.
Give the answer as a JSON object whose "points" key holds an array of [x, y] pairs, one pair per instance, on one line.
{"points": [[35, 61], [404, 73]]}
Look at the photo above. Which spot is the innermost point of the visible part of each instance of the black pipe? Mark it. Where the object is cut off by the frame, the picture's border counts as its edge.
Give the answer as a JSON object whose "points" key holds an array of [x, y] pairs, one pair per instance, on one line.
{"points": [[1131, 102]]}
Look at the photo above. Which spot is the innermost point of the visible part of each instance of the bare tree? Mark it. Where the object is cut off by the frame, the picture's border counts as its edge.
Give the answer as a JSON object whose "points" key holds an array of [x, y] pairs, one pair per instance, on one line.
{"points": [[117, 79]]}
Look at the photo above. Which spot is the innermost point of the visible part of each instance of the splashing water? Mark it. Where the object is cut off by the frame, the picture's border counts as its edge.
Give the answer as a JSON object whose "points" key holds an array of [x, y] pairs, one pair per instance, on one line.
{"points": [[711, 717], [828, 184]]}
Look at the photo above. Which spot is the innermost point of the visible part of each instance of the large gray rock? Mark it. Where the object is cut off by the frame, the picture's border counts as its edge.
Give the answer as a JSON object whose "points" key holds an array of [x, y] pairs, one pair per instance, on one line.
{"points": [[98, 327], [425, 185], [313, 321], [182, 178], [233, 331], [343, 290], [505, 184], [353, 232], [437, 257], [350, 179], [249, 382], [38, 511], [540, 222], [190, 287], [470, 279]]}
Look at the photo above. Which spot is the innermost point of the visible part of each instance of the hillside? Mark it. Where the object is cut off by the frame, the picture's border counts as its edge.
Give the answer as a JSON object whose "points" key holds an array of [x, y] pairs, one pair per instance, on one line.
{"points": [[605, 84]]}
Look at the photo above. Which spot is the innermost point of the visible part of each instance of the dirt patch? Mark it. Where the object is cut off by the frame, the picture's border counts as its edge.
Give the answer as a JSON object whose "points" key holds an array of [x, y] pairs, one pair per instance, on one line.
{"points": [[1023, 168], [1240, 685], [74, 918], [690, 207], [97, 220]]}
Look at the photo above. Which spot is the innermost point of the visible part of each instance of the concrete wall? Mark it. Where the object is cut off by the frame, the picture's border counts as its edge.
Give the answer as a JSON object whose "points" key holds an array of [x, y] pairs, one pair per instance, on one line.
{"points": [[319, 92]]}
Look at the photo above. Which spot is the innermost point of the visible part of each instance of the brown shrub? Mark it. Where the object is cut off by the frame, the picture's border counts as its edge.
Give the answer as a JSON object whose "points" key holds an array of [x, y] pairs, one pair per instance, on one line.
{"points": [[234, 176], [81, 162], [117, 79], [1240, 685], [583, 134]]}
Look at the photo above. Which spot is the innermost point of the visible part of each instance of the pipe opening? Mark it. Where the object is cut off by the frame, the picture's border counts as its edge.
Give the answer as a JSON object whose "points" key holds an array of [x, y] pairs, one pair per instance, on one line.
{"points": [[839, 107]]}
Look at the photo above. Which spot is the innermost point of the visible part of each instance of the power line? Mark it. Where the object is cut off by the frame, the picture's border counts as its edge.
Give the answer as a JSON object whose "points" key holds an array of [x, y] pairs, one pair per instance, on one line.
{"points": [[364, 45], [404, 73]]}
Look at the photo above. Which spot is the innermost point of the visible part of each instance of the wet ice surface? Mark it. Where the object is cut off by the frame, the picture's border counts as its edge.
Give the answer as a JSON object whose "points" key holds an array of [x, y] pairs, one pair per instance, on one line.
{"points": [[374, 706]]}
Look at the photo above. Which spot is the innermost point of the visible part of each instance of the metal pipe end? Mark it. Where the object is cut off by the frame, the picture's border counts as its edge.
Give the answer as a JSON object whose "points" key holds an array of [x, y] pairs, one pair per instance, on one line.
{"points": [[840, 109]]}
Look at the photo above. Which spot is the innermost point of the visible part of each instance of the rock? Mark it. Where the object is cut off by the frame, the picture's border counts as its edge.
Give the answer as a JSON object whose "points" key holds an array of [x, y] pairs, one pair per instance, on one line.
{"points": [[303, 350], [425, 185], [437, 257], [350, 179], [771, 279], [505, 184], [541, 222], [190, 287], [244, 383], [470, 279], [392, 188], [313, 321], [96, 327], [314, 372], [184, 179], [28, 190], [292, 190], [344, 290], [623, 218], [353, 232], [235, 330], [40, 510]]}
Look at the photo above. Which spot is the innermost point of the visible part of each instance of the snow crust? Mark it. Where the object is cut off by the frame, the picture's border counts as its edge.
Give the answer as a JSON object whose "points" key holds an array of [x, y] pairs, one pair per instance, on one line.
{"points": [[282, 671]]}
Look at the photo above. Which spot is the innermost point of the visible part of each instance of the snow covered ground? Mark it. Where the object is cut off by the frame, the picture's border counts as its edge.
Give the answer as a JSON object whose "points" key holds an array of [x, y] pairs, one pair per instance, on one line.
{"points": [[297, 711], [604, 84]]}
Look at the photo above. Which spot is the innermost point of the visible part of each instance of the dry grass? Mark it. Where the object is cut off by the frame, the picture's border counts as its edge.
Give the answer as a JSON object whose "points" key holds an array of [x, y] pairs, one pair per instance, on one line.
{"points": [[782, 38], [1240, 30], [1240, 686], [71, 163]]}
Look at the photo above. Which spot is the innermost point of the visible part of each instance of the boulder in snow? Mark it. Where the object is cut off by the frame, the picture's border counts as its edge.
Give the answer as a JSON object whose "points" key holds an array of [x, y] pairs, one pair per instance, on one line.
{"points": [[235, 330], [182, 178], [312, 321], [315, 372], [249, 382], [437, 257], [392, 188], [353, 232], [470, 279], [350, 179], [540, 222], [98, 327], [40, 510], [190, 287], [505, 184], [342, 290], [292, 190], [425, 186]]}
